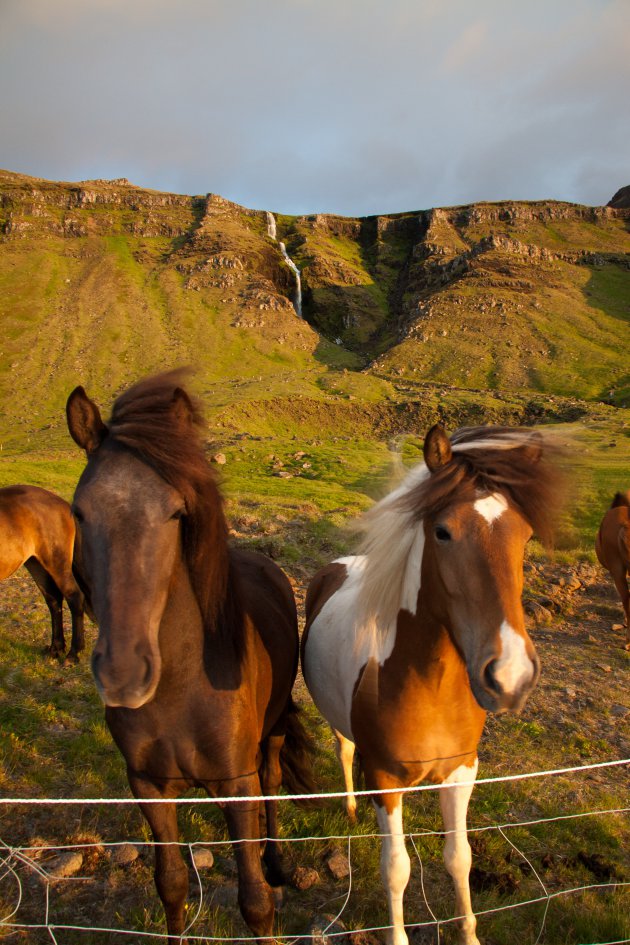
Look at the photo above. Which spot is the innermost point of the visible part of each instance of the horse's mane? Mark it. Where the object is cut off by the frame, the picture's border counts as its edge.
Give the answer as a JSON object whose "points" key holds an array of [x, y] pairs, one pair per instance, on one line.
{"points": [[621, 499], [144, 421], [514, 462]]}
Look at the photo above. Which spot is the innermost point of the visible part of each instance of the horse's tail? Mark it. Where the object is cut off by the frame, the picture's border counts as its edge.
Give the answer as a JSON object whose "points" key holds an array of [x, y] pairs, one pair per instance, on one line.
{"points": [[623, 541], [621, 498], [296, 757]]}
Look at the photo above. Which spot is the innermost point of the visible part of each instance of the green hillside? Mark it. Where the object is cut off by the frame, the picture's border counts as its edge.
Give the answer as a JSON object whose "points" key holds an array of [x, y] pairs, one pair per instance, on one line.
{"points": [[511, 312]]}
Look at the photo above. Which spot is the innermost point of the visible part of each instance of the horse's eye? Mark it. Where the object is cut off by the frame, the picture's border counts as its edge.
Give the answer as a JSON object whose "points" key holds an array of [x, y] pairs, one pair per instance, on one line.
{"points": [[442, 533], [78, 514], [178, 514]]}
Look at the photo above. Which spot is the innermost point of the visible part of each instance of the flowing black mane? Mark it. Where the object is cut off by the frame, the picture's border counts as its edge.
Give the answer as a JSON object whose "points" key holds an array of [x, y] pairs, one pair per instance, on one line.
{"points": [[144, 421], [514, 462]]}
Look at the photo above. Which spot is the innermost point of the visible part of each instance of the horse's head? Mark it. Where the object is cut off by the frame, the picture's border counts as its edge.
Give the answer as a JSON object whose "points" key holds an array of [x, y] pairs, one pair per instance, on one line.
{"points": [[472, 571], [129, 509]]}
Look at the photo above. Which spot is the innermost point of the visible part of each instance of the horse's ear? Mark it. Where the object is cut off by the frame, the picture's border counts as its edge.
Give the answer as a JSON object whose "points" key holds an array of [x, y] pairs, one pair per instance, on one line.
{"points": [[533, 448], [84, 421], [437, 448], [182, 409]]}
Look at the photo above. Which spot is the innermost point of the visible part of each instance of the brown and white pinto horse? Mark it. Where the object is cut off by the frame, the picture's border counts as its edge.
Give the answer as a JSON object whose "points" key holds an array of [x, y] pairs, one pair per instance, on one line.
{"points": [[612, 547], [198, 645], [409, 645], [37, 530]]}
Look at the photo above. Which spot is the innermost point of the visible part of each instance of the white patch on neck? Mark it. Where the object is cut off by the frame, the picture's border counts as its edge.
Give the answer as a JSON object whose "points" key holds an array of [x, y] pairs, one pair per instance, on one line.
{"points": [[338, 646], [491, 506], [413, 573], [514, 667]]}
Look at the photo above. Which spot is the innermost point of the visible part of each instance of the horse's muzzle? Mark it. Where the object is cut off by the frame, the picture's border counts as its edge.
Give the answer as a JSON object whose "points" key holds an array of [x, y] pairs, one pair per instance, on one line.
{"points": [[128, 685], [495, 694]]}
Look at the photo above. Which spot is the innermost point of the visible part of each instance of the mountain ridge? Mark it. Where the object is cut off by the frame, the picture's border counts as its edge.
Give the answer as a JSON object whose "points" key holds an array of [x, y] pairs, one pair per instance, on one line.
{"points": [[102, 281]]}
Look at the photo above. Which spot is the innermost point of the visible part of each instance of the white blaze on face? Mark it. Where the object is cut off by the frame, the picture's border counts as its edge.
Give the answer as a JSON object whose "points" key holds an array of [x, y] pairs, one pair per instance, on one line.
{"points": [[491, 507], [514, 667]]}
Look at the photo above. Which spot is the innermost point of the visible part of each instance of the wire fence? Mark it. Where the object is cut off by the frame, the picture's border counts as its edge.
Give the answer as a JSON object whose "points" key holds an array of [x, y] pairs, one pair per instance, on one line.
{"points": [[19, 861]]}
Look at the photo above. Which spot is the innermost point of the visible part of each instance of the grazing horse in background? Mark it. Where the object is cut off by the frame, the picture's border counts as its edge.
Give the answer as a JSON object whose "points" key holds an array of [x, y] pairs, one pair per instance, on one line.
{"points": [[198, 643], [37, 530], [408, 646], [612, 547]]}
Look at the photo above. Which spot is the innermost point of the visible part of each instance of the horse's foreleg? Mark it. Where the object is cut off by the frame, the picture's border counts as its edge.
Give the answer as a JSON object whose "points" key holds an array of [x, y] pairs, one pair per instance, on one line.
{"points": [[171, 873], [457, 852], [255, 897], [395, 864], [271, 781], [344, 750]]}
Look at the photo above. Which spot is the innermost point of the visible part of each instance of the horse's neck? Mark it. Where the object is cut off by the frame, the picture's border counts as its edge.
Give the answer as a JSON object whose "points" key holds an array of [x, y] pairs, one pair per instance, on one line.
{"points": [[186, 646]]}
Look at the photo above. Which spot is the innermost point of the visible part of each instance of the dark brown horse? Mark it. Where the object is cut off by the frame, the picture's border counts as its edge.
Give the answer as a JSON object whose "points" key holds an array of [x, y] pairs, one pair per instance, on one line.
{"points": [[612, 547], [409, 645], [198, 644], [37, 530]]}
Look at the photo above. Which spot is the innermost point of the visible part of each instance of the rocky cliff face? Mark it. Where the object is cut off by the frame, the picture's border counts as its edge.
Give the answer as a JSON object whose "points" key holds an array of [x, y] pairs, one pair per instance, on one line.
{"points": [[470, 295], [621, 200]]}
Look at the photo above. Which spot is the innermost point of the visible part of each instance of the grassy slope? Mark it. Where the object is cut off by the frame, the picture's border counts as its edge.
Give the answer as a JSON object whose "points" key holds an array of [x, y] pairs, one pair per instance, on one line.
{"points": [[274, 391]]}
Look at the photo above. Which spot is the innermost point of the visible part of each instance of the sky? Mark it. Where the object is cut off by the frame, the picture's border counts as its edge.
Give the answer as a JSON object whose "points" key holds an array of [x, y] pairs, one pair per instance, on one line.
{"points": [[339, 106]]}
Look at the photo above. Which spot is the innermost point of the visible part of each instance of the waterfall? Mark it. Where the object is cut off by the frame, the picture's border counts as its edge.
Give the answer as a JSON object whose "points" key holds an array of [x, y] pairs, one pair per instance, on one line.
{"points": [[271, 225], [298, 279], [271, 231]]}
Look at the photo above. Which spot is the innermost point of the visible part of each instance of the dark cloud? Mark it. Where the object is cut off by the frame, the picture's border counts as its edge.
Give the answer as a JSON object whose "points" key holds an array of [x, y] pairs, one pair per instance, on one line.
{"points": [[303, 105]]}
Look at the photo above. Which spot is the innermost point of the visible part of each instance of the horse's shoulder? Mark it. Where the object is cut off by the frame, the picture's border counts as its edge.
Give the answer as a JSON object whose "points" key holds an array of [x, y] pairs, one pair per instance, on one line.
{"points": [[324, 584]]}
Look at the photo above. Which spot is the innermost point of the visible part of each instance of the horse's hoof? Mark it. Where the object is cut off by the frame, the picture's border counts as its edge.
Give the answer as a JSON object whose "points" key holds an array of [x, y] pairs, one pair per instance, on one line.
{"points": [[53, 653], [71, 659]]}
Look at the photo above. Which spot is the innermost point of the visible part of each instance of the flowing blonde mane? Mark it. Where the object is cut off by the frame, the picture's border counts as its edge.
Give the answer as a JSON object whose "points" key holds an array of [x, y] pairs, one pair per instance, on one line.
{"points": [[486, 460]]}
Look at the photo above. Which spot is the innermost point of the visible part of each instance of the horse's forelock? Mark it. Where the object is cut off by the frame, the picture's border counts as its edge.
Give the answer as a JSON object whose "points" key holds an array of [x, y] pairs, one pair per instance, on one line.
{"points": [[144, 421], [517, 463]]}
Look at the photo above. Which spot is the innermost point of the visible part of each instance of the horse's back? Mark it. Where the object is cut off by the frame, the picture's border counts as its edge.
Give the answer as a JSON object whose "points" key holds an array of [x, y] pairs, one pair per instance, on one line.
{"points": [[32, 503], [34, 523]]}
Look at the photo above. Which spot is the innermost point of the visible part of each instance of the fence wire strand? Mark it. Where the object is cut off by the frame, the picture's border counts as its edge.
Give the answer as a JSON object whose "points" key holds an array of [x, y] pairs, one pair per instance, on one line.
{"points": [[14, 857]]}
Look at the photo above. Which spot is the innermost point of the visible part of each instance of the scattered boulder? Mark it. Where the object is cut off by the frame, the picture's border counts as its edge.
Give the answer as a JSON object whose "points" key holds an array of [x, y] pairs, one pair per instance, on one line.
{"points": [[203, 858], [304, 877], [338, 865], [125, 854], [65, 864], [219, 458], [536, 610], [320, 930]]}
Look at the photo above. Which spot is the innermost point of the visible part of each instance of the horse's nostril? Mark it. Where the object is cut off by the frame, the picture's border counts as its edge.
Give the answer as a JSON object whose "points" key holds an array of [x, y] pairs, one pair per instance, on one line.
{"points": [[490, 680], [148, 672]]}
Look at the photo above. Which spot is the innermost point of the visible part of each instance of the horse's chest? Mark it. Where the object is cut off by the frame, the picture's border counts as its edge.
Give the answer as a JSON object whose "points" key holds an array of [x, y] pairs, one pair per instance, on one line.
{"points": [[199, 742], [415, 727]]}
